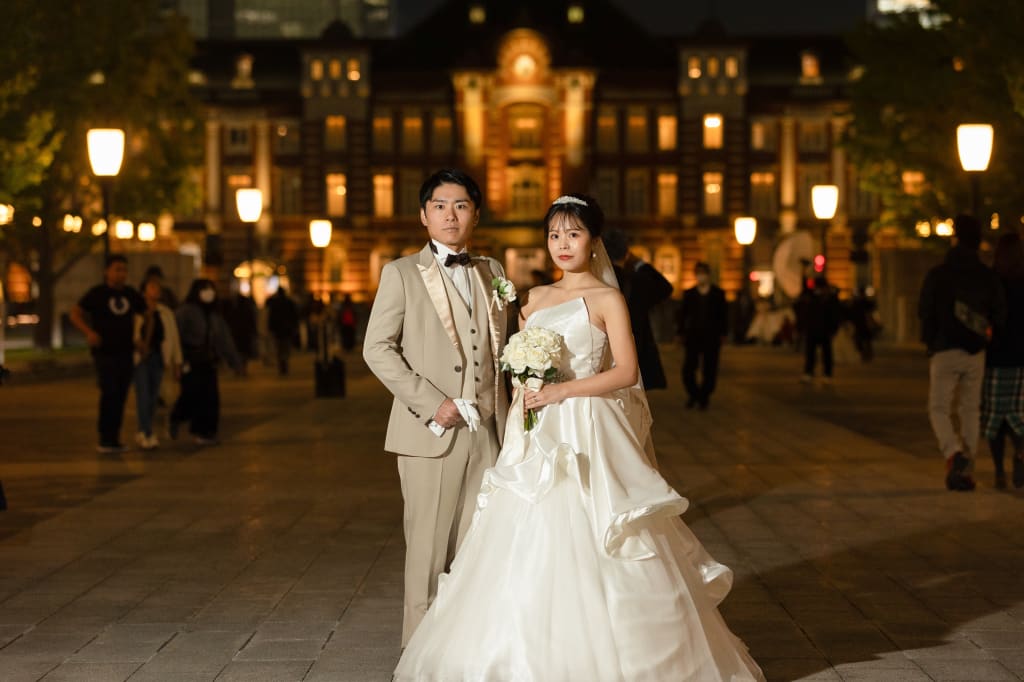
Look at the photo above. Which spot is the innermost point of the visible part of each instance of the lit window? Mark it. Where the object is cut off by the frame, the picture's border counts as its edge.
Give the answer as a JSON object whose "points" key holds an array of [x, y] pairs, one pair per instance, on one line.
{"points": [[913, 182], [732, 67], [763, 196], [441, 141], [668, 184], [575, 14], [693, 67], [383, 195], [810, 69], [239, 180], [353, 69], [813, 136], [713, 67], [666, 132], [713, 137], [412, 135], [337, 195], [316, 69], [477, 14], [713, 194], [525, 124], [334, 69], [763, 135], [524, 66], [286, 141], [382, 137], [526, 191], [287, 199], [335, 138], [636, 131], [607, 189], [607, 131]]}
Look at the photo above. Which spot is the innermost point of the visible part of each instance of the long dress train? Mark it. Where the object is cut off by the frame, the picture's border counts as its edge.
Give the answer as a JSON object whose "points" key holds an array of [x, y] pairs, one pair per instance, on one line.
{"points": [[577, 567]]}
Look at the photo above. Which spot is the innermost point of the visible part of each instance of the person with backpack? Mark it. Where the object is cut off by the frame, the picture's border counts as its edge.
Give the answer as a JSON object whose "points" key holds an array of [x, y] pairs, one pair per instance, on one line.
{"points": [[961, 301]]}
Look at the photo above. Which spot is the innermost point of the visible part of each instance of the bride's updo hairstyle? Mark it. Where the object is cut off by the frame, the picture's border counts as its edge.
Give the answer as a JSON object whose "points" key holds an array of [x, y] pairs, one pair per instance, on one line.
{"points": [[581, 207]]}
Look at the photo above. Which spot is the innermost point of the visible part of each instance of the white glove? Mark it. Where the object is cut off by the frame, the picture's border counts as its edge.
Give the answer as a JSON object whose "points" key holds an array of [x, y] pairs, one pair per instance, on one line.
{"points": [[470, 415]]}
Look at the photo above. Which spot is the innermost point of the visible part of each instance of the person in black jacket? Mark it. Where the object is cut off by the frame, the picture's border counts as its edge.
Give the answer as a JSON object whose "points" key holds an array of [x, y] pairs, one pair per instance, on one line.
{"points": [[1002, 402], [818, 315], [961, 301], [283, 324], [643, 287], [703, 325]]}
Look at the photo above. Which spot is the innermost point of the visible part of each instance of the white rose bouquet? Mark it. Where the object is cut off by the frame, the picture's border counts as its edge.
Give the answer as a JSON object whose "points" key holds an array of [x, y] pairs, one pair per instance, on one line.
{"points": [[531, 357]]}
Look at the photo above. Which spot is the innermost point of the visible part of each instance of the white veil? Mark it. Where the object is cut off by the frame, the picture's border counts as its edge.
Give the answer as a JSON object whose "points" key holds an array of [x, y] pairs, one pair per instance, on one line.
{"points": [[633, 399]]}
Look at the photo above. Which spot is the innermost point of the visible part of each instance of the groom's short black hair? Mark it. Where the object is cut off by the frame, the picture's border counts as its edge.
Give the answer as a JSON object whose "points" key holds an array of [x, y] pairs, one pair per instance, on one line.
{"points": [[452, 176]]}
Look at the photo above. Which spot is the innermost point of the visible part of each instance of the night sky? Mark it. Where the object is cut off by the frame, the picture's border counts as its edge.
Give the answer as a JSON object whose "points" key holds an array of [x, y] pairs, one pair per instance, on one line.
{"points": [[746, 17]]}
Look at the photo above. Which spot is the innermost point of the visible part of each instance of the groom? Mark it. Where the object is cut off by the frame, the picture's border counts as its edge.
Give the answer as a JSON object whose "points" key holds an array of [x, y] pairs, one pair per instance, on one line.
{"points": [[434, 336]]}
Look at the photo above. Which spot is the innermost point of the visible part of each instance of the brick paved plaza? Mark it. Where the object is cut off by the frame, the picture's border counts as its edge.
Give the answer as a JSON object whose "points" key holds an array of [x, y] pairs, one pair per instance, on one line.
{"points": [[278, 554]]}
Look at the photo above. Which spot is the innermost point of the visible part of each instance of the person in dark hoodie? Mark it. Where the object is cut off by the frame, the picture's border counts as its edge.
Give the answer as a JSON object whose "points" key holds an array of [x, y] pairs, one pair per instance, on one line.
{"points": [[205, 342], [961, 301]]}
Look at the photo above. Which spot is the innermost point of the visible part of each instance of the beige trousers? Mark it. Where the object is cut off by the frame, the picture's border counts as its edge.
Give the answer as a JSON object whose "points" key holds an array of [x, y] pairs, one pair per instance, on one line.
{"points": [[440, 498], [956, 376]]}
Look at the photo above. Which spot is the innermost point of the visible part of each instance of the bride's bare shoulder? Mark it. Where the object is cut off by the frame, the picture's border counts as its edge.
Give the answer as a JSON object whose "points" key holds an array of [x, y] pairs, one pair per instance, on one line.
{"points": [[531, 298]]}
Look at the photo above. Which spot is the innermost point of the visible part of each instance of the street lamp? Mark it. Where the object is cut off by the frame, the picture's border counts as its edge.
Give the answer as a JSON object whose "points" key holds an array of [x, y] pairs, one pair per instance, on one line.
{"points": [[745, 229], [974, 144], [824, 201], [106, 152], [249, 202], [320, 235], [146, 232]]}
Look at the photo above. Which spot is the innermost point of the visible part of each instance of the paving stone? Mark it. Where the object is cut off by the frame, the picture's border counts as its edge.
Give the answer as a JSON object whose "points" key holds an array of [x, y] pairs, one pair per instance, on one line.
{"points": [[82, 671], [265, 671]]}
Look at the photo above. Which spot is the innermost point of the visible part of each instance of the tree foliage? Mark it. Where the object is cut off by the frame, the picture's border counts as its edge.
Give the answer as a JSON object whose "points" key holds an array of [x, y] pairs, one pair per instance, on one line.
{"points": [[79, 64], [917, 83]]}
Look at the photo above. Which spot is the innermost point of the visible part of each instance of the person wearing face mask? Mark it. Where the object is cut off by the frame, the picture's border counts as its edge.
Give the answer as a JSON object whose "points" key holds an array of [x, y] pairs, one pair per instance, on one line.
{"points": [[703, 324], [205, 341]]}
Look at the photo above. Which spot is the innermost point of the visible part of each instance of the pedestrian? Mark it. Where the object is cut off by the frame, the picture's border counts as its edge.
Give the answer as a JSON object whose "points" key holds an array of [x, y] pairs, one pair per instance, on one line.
{"points": [[703, 324], [283, 325], [205, 342], [644, 288], [1002, 398], [240, 316], [157, 349], [110, 308], [961, 301], [347, 323], [167, 296], [865, 325], [819, 315]]}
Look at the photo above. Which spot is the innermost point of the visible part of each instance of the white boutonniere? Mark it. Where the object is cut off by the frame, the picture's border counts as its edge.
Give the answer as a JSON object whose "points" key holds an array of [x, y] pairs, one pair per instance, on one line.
{"points": [[504, 292]]}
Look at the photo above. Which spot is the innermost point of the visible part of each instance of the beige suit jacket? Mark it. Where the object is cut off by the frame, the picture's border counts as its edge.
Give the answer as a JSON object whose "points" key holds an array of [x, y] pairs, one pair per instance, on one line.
{"points": [[411, 344]]}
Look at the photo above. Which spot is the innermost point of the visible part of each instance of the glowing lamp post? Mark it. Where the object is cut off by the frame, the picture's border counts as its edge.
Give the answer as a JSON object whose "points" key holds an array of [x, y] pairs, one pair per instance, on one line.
{"points": [[745, 229], [974, 144], [824, 201], [249, 202], [106, 152], [320, 235], [146, 232]]}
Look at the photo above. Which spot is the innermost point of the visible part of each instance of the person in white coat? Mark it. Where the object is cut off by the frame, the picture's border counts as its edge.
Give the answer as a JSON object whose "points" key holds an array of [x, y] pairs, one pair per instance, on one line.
{"points": [[157, 349]]}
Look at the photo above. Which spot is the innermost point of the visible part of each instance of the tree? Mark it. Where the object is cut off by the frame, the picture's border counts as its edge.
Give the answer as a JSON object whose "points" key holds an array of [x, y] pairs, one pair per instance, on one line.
{"points": [[917, 83], [91, 63]]}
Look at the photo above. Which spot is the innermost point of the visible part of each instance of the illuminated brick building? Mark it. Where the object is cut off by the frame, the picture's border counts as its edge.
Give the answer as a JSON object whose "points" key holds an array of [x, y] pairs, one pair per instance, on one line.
{"points": [[675, 137]]}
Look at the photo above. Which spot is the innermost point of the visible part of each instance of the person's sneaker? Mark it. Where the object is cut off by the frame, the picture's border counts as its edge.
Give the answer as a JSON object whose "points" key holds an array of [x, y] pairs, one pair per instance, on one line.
{"points": [[957, 477], [109, 448], [204, 440]]}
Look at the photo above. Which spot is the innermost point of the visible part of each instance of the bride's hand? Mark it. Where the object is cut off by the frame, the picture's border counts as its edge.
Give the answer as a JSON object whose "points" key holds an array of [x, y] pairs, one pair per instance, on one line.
{"points": [[548, 394]]}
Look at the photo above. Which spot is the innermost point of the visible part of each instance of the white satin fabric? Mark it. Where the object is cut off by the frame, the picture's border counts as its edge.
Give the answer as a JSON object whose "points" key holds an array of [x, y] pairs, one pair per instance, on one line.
{"points": [[577, 566]]}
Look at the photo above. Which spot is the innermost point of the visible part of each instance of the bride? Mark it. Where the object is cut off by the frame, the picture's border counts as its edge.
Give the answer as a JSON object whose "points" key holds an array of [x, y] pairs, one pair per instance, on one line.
{"points": [[577, 567]]}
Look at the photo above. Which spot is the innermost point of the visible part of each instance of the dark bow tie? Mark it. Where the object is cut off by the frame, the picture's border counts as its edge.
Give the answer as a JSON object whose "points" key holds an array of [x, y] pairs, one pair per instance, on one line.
{"points": [[457, 259]]}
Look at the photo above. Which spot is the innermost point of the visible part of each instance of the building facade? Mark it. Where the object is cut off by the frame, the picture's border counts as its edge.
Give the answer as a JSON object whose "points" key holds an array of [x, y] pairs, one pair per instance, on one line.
{"points": [[674, 137]]}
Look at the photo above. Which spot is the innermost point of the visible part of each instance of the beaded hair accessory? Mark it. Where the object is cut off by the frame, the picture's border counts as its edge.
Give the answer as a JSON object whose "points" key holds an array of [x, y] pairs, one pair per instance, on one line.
{"points": [[566, 199]]}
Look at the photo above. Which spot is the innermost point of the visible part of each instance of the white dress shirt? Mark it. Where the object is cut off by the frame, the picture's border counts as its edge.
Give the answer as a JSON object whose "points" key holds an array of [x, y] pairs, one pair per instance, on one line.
{"points": [[458, 274]]}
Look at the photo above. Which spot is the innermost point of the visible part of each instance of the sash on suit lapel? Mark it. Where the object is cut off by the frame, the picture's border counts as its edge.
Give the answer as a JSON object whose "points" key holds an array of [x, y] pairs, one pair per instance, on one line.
{"points": [[431, 275]]}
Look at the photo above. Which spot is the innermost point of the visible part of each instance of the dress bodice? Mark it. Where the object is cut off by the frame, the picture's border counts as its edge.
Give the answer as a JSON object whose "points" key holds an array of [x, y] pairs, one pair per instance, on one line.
{"points": [[584, 344]]}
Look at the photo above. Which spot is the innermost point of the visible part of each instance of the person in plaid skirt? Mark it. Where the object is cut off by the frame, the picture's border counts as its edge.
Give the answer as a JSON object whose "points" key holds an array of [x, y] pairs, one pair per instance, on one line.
{"points": [[1002, 404]]}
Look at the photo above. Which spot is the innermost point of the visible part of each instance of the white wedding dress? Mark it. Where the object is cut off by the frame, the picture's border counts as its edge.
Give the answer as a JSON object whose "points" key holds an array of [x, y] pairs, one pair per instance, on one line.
{"points": [[577, 567]]}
